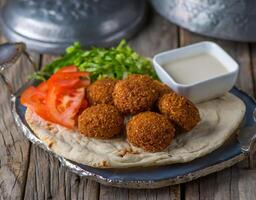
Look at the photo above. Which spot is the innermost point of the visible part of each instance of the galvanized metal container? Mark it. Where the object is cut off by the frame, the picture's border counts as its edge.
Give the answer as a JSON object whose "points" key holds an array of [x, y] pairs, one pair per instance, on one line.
{"points": [[50, 26], [228, 19]]}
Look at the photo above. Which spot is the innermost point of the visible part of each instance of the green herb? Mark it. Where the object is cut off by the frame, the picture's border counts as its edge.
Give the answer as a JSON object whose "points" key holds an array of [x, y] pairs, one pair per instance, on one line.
{"points": [[116, 62]]}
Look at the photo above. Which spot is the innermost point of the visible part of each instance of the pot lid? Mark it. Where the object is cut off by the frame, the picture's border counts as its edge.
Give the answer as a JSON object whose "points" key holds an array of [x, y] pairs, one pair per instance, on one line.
{"points": [[51, 26]]}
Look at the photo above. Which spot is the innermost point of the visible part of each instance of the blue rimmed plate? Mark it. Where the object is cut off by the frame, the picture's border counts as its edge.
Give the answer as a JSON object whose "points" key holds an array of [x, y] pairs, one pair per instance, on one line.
{"points": [[235, 150]]}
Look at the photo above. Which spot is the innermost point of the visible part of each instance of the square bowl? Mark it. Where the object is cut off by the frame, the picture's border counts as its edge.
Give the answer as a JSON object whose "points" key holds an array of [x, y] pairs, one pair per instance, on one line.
{"points": [[201, 90]]}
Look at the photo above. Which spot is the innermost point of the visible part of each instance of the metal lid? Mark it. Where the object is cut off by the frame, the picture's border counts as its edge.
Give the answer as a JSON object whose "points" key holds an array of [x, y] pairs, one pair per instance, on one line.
{"points": [[225, 19], [51, 26]]}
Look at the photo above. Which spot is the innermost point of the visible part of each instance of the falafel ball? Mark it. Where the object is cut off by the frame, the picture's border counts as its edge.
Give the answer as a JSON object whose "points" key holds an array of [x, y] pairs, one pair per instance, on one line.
{"points": [[135, 94], [180, 110], [162, 88], [150, 131], [100, 92], [100, 121]]}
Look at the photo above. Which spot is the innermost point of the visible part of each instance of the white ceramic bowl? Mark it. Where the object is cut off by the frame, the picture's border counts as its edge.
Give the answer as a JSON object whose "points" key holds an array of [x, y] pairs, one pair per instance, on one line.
{"points": [[204, 90]]}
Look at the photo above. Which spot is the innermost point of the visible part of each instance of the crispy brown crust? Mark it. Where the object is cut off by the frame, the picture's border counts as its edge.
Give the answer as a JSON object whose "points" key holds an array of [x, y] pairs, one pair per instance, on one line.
{"points": [[161, 88], [135, 94], [100, 121], [100, 92], [150, 131], [180, 110]]}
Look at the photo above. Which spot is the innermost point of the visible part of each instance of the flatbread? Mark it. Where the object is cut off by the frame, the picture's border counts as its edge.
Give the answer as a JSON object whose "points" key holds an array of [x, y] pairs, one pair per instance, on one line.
{"points": [[220, 118]]}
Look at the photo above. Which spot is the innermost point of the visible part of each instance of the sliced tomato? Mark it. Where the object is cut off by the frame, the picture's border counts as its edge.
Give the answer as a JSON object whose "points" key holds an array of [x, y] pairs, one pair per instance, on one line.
{"points": [[63, 83], [64, 105], [71, 68], [70, 80], [34, 99], [61, 98], [43, 87], [32, 96], [84, 83], [70, 75]]}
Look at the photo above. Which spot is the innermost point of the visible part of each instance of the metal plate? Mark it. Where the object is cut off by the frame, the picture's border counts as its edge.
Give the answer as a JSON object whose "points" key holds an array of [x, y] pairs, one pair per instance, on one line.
{"points": [[221, 158]]}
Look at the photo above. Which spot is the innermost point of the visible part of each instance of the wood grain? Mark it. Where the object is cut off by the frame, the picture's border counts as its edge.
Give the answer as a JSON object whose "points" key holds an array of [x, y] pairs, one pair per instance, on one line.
{"points": [[253, 69], [49, 180], [158, 35], [108, 193], [14, 148], [247, 184]]}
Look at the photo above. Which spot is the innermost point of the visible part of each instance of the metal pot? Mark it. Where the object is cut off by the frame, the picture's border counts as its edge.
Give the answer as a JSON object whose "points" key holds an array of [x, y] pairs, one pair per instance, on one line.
{"points": [[225, 19], [49, 26]]}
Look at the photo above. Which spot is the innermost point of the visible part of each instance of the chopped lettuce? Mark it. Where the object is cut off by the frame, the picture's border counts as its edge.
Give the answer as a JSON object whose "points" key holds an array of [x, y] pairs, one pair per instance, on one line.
{"points": [[116, 62]]}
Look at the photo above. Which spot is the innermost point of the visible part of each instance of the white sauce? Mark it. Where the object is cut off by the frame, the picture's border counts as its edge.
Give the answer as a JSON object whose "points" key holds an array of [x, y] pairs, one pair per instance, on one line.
{"points": [[195, 68]]}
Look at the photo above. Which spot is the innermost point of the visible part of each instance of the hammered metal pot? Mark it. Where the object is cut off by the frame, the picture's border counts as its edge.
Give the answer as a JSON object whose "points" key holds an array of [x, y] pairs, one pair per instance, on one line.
{"points": [[49, 26], [225, 19]]}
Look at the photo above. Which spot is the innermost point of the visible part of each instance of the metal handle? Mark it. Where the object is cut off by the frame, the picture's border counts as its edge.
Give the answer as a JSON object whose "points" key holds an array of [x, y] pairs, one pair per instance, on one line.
{"points": [[9, 54], [248, 144], [247, 136]]}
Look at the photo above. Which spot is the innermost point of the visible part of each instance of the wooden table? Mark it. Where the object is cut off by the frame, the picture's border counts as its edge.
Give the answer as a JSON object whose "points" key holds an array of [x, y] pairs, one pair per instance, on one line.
{"points": [[27, 172]]}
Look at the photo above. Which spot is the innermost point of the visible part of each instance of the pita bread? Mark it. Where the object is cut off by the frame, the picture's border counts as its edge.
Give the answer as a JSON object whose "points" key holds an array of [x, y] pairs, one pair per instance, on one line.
{"points": [[220, 119]]}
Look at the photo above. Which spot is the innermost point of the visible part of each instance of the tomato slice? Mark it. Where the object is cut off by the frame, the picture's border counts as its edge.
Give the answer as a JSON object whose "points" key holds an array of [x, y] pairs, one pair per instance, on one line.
{"points": [[64, 105], [71, 68], [34, 99], [62, 83], [61, 98], [84, 83], [70, 75], [70, 80], [32, 96], [43, 87]]}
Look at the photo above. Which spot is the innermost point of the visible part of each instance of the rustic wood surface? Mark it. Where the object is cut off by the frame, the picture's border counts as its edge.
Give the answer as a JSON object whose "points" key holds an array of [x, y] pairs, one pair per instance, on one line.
{"points": [[27, 172]]}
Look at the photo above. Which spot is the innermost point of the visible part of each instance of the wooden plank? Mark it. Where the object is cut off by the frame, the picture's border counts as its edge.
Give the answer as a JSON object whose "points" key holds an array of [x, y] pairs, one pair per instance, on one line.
{"points": [[231, 183], [172, 192], [14, 148], [215, 186], [48, 179], [253, 61], [247, 184], [221, 185], [159, 35], [2, 3], [107, 192]]}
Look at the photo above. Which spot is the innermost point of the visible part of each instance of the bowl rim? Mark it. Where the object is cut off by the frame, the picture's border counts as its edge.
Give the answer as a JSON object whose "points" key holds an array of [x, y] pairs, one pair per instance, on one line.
{"points": [[233, 72]]}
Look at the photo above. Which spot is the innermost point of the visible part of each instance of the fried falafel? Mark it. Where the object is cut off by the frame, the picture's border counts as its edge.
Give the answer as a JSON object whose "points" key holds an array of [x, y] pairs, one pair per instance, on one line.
{"points": [[135, 94], [101, 121], [150, 131], [180, 110], [100, 92], [161, 88]]}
